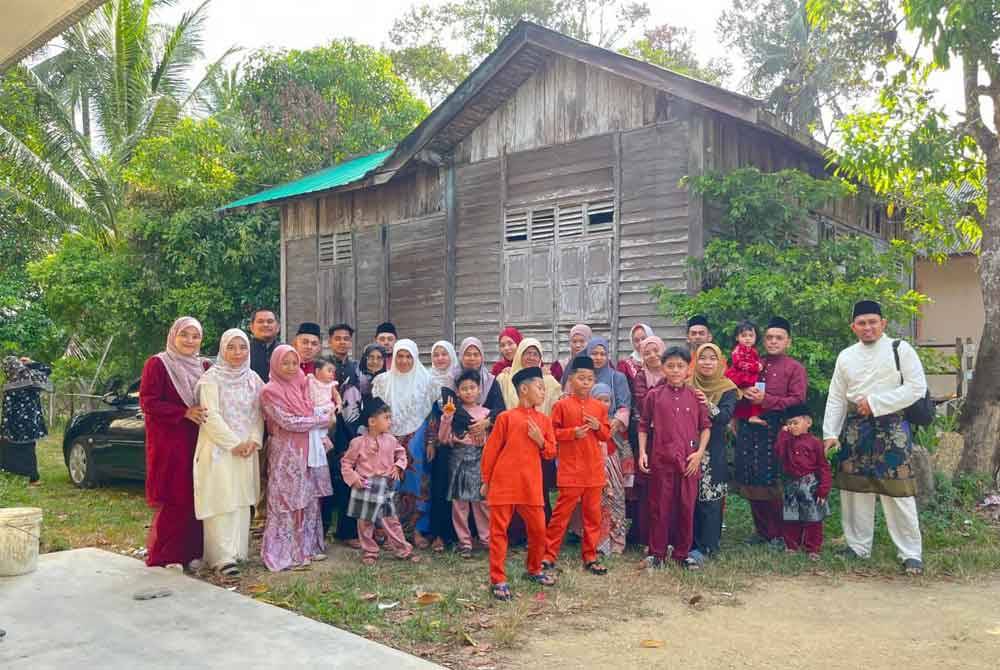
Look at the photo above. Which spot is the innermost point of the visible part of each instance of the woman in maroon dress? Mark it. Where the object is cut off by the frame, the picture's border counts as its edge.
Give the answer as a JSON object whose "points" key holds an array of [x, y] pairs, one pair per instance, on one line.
{"points": [[172, 415]]}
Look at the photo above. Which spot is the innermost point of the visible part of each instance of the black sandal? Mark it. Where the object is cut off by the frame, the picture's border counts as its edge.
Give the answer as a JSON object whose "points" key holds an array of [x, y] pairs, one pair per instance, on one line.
{"points": [[596, 568], [229, 570], [548, 565]]}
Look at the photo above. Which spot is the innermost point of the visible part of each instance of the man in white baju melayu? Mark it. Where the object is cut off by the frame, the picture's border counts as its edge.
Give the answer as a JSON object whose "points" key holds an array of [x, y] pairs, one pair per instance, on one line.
{"points": [[864, 418]]}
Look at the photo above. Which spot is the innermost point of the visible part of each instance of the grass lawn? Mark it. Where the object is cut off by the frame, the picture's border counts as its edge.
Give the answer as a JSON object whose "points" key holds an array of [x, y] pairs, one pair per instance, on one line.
{"points": [[442, 609]]}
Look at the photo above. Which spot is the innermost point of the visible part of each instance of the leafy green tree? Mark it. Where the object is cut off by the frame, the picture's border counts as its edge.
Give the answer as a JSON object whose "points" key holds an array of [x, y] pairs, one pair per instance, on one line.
{"points": [[772, 207], [130, 73], [437, 45], [303, 110], [911, 151], [809, 74], [672, 47]]}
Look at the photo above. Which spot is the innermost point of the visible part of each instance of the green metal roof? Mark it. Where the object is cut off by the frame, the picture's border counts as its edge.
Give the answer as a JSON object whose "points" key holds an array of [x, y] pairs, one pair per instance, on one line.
{"points": [[327, 178]]}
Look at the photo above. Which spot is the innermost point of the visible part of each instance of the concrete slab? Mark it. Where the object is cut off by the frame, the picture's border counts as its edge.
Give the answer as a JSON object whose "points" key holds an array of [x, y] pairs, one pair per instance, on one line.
{"points": [[77, 610]]}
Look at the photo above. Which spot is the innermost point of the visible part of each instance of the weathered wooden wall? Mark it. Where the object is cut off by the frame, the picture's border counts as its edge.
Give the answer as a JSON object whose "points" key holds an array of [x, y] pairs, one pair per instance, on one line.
{"points": [[564, 101], [653, 247], [477, 252], [356, 288]]}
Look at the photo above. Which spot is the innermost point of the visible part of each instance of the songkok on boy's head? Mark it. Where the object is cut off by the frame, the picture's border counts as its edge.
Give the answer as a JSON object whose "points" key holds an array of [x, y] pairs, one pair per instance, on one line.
{"points": [[309, 328], [797, 411], [387, 327], [583, 363], [866, 307], [780, 322], [527, 374], [698, 320], [370, 407]]}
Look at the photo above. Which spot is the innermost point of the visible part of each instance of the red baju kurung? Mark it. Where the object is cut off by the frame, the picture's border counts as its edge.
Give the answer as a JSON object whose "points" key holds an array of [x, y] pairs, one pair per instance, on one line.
{"points": [[512, 469], [676, 419], [175, 536], [581, 475]]}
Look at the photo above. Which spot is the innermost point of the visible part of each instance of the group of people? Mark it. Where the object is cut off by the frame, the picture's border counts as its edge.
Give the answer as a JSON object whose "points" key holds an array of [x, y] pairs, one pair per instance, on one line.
{"points": [[388, 451]]}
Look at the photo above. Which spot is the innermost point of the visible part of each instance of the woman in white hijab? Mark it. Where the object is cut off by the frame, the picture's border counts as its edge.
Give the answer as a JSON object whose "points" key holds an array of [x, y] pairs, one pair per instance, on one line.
{"points": [[411, 392], [226, 467]]}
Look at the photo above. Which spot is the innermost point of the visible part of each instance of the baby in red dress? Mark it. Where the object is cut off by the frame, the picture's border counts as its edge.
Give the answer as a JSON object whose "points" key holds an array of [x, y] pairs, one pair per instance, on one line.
{"points": [[745, 370]]}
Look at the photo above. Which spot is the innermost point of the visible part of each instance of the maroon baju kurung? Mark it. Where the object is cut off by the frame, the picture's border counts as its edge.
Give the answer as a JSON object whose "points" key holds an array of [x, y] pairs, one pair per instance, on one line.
{"points": [[175, 536]]}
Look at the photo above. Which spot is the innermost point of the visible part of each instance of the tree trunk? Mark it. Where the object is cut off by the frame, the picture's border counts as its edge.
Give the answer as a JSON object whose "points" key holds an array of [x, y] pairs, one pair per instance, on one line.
{"points": [[980, 422]]}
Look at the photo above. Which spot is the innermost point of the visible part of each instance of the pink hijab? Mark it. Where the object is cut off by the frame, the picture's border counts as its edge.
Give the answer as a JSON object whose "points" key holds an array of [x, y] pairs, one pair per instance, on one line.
{"points": [[289, 394], [184, 371], [652, 377]]}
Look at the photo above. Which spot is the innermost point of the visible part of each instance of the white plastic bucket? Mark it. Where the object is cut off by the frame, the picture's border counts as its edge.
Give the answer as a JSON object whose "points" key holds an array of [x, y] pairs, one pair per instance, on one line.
{"points": [[20, 528]]}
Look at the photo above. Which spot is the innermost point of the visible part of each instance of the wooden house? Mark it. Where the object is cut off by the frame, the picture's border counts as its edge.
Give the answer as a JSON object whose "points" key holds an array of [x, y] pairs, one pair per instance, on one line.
{"points": [[544, 191]]}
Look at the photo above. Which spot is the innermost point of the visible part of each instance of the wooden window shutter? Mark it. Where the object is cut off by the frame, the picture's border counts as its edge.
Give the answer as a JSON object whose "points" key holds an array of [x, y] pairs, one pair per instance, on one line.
{"points": [[543, 225], [516, 227], [570, 221]]}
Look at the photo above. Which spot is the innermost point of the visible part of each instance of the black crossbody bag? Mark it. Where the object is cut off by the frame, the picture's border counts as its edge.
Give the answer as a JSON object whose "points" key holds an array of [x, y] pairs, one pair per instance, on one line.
{"points": [[922, 412]]}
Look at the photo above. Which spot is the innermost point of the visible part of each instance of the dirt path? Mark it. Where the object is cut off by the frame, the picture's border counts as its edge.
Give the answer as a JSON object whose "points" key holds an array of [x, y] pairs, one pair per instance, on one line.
{"points": [[791, 624]]}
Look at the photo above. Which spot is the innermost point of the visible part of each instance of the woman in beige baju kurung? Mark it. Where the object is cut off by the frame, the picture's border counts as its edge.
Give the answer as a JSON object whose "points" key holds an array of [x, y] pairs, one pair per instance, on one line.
{"points": [[226, 467]]}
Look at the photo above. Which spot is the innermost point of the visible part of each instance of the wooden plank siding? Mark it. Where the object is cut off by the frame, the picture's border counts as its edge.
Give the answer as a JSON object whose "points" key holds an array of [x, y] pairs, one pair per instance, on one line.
{"points": [[653, 248], [417, 281], [564, 101], [477, 250]]}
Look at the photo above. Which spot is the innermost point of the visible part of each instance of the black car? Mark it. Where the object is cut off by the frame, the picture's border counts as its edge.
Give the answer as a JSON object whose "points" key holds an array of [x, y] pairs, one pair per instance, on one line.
{"points": [[109, 442]]}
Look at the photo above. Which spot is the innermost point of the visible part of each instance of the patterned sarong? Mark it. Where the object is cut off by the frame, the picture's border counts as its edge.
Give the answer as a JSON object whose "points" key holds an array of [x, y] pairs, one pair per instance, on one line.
{"points": [[800, 500], [756, 472], [874, 456], [374, 502]]}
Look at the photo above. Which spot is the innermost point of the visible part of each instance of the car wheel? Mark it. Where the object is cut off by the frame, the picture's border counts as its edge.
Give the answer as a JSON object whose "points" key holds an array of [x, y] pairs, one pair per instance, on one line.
{"points": [[82, 470]]}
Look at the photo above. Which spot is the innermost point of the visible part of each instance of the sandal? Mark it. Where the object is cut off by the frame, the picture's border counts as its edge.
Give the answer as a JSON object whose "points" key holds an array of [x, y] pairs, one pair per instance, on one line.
{"points": [[438, 545], [229, 570], [465, 552], [913, 567], [548, 566], [411, 557], [420, 542], [317, 558], [541, 579], [368, 560], [502, 592], [596, 568], [691, 564]]}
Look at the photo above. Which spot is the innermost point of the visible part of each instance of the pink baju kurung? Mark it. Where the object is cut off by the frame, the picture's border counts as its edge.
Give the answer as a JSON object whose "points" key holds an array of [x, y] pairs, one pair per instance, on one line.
{"points": [[294, 530]]}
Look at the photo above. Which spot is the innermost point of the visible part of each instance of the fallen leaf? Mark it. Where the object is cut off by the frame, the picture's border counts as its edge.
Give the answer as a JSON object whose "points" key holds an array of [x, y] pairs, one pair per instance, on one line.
{"points": [[468, 640], [257, 588], [652, 644], [695, 600], [368, 597], [429, 598]]}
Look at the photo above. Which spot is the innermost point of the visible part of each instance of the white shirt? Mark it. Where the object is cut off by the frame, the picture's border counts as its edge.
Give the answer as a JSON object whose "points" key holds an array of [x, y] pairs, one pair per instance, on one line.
{"points": [[869, 371]]}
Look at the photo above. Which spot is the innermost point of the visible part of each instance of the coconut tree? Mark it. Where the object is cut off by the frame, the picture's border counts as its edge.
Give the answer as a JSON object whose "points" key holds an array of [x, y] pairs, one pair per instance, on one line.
{"points": [[127, 75]]}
